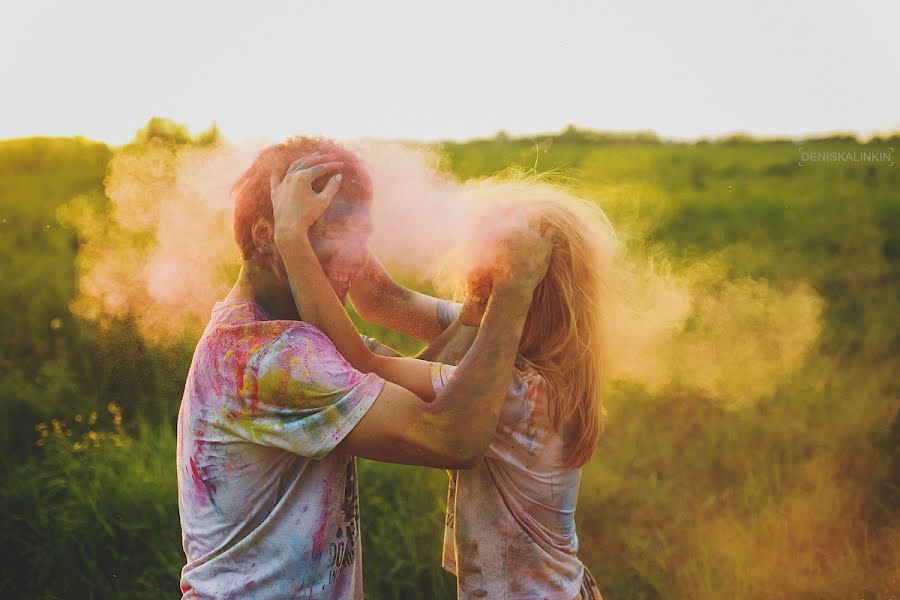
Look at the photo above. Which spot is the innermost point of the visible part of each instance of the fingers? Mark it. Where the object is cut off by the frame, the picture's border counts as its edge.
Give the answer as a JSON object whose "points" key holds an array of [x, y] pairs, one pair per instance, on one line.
{"points": [[331, 188], [314, 172], [306, 162], [274, 182], [296, 164]]}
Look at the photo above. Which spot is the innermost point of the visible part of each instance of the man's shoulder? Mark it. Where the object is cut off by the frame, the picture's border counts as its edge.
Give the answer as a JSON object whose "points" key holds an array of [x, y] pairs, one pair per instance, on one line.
{"points": [[246, 324], [241, 338]]}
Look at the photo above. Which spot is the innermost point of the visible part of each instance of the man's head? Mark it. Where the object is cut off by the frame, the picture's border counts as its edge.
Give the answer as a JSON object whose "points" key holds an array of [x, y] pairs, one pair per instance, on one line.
{"points": [[338, 237]]}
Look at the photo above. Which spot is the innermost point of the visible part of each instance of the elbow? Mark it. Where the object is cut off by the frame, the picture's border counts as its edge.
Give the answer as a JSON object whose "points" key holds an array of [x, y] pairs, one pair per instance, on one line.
{"points": [[371, 363], [469, 463], [466, 452], [460, 461], [465, 438]]}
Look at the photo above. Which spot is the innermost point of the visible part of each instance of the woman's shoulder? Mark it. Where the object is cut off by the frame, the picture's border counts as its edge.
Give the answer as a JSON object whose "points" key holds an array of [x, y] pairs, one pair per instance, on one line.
{"points": [[527, 374], [525, 398], [532, 383]]}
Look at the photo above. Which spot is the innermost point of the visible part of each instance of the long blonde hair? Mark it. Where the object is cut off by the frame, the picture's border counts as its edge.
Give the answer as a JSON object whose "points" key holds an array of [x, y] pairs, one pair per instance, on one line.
{"points": [[563, 337]]}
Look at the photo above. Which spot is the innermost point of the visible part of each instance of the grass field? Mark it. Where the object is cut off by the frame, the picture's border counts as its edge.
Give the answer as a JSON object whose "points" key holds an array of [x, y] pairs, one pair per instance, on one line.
{"points": [[794, 495]]}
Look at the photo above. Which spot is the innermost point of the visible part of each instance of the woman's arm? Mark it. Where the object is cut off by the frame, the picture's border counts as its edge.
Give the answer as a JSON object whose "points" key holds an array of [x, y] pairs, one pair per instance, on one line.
{"points": [[451, 346], [313, 294], [379, 299], [454, 429]]}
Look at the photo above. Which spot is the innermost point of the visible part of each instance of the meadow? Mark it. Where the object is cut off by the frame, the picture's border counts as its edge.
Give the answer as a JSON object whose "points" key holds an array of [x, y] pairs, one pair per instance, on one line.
{"points": [[794, 495]]}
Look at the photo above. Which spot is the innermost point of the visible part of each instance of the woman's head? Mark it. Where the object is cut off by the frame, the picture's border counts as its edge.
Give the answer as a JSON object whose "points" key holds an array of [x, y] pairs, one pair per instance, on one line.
{"points": [[563, 334]]}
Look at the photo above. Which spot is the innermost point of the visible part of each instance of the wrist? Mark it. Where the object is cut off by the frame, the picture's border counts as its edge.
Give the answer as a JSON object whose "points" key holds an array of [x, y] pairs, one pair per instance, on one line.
{"points": [[472, 314], [293, 241], [447, 313], [513, 290]]}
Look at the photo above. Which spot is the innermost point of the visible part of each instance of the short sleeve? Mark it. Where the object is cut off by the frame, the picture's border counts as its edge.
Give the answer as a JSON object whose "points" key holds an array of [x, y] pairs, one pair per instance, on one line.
{"points": [[371, 343], [440, 375], [302, 395], [447, 312], [516, 393]]}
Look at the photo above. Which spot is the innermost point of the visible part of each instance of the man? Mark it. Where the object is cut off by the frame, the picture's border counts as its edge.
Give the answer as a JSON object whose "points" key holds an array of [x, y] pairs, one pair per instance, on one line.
{"points": [[272, 415]]}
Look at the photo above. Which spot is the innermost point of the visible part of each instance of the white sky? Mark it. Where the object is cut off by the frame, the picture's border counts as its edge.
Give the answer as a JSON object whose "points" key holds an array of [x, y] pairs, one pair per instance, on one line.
{"points": [[438, 70]]}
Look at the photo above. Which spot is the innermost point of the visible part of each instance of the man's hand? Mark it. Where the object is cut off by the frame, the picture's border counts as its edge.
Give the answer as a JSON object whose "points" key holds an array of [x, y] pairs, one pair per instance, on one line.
{"points": [[295, 204]]}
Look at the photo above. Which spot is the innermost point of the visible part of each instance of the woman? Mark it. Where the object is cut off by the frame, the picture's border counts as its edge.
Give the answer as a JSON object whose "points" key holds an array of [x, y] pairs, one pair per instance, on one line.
{"points": [[510, 530]]}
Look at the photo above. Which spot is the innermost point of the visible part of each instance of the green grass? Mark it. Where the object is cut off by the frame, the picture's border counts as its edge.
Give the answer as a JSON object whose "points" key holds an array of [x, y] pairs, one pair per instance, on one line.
{"points": [[793, 496]]}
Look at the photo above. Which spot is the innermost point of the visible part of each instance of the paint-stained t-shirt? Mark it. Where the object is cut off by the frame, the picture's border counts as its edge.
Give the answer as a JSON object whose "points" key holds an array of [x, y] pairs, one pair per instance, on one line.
{"points": [[510, 524], [268, 505]]}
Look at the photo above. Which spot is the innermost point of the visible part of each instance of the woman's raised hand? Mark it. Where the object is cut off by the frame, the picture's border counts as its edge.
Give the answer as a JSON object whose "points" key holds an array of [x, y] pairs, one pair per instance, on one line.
{"points": [[517, 256], [295, 204], [523, 255]]}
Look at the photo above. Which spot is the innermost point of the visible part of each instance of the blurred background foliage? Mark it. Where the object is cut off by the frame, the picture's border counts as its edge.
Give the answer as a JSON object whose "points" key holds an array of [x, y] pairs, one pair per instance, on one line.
{"points": [[795, 496]]}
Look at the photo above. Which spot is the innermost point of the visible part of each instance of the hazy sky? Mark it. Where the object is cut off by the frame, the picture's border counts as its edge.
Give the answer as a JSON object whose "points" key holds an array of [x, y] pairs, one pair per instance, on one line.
{"points": [[435, 70]]}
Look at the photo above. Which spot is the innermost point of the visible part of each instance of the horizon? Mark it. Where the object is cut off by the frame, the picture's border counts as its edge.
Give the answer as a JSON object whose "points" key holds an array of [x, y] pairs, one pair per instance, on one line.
{"points": [[614, 136]]}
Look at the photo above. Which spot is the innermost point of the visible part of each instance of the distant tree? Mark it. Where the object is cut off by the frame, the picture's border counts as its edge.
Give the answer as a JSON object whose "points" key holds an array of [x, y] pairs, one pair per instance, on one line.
{"points": [[738, 139], [168, 131], [571, 134]]}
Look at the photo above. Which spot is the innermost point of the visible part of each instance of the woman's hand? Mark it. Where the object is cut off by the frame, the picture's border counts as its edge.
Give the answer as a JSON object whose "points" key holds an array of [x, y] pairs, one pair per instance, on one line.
{"points": [[478, 292], [295, 204], [472, 311], [523, 256], [518, 258]]}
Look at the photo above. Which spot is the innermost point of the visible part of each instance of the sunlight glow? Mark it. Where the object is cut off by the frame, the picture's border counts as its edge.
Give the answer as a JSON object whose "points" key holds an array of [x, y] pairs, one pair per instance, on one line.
{"points": [[448, 70]]}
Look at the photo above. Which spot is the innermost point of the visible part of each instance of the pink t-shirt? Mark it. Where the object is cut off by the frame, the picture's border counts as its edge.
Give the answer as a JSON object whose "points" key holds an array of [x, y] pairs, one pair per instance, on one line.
{"points": [[268, 507], [510, 526]]}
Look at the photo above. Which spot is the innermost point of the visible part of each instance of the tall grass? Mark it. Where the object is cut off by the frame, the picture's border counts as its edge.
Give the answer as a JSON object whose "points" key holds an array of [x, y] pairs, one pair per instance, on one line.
{"points": [[794, 496]]}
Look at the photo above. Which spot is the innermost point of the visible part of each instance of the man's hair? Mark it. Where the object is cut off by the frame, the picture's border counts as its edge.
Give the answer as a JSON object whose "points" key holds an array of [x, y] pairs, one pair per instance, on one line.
{"points": [[252, 191]]}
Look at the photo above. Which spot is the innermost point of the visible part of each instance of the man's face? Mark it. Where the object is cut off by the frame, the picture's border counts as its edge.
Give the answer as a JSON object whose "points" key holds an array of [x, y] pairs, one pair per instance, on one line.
{"points": [[340, 240]]}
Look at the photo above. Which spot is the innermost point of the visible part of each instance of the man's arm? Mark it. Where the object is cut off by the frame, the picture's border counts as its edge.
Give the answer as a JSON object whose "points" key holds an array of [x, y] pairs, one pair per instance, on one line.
{"points": [[451, 345], [455, 429]]}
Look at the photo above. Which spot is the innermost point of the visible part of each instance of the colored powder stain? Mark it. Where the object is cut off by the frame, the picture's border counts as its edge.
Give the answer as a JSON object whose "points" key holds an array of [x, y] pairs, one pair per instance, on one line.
{"points": [[239, 382], [198, 442], [319, 537], [532, 429], [254, 395], [200, 491], [298, 551], [252, 427], [331, 416], [203, 490]]}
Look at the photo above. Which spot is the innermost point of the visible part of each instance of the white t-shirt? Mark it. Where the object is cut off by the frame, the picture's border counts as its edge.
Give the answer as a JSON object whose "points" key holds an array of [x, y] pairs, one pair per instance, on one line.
{"points": [[268, 508], [510, 525]]}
